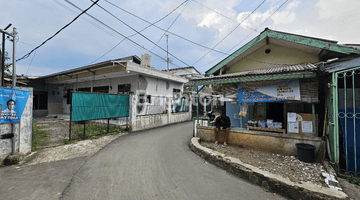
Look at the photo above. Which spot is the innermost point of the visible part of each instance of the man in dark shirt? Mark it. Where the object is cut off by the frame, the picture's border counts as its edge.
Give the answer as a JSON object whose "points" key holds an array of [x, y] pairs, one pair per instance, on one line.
{"points": [[222, 128]]}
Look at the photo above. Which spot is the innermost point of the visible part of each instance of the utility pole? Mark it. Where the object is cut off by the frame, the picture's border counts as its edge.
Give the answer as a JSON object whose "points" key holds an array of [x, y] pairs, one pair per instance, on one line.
{"points": [[14, 58], [167, 51], [3, 54]]}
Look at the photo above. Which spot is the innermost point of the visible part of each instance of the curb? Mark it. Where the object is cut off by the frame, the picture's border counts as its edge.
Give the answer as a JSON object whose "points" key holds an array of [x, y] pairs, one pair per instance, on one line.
{"points": [[271, 182]]}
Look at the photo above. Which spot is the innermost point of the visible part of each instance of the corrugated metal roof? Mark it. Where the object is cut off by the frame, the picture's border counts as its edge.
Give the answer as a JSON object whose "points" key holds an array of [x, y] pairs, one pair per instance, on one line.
{"points": [[341, 64], [269, 71]]}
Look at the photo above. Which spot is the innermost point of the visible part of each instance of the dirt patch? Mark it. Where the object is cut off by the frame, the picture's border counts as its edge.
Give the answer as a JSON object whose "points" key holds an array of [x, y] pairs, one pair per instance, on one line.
{"points": [[288, 167], [57, 127], [54, 148]]}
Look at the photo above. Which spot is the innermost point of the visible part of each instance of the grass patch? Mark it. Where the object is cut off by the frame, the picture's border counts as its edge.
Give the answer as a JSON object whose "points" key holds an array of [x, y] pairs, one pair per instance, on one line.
{"points": [[352, 179], [92, 131], [38, 137]]}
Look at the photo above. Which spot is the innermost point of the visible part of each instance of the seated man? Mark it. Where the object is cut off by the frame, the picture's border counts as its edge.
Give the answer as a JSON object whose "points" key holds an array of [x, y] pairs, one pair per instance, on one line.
{"points": [[222, 123]]}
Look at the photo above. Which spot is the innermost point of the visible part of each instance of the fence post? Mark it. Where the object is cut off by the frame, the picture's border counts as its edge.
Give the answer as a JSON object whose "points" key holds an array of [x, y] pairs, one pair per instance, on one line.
{"points": [[132, 114], [168, 108]]}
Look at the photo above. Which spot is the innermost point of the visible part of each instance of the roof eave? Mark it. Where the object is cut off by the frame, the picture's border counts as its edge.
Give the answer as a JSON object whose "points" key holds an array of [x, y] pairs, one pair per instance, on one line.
{"points": [[313, 42]]}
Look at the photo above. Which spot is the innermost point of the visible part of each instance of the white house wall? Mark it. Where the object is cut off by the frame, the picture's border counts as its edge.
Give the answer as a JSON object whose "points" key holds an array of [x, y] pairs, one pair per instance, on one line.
{"points": [[157, 87], [114, 82]]}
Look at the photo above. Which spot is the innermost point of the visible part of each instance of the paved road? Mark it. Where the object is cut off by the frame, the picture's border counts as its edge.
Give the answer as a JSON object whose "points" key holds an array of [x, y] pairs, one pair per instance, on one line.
{"points": [[156, 164], [44, 181]]}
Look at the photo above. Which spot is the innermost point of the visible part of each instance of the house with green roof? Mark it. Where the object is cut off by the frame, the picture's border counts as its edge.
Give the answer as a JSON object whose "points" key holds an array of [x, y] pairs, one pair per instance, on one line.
{"points": [[276, 77]]}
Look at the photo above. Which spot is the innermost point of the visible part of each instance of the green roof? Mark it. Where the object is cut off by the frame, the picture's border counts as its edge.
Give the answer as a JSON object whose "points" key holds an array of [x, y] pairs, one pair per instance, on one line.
{"points": [[304, 40]]}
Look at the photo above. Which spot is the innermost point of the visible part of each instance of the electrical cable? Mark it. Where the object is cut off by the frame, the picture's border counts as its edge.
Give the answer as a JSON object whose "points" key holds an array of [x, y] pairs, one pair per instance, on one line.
{"points": [[30, 64], [165, 30], [231, 31], [140, 34], [223, 15], [171, 24], [28, 54], [136, 33], [107, 26], [248, 36], [86, 19]]}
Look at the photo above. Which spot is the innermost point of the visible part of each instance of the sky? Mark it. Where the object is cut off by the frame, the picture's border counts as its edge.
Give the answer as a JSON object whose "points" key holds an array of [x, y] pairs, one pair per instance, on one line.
{"points": [[200, 33]]}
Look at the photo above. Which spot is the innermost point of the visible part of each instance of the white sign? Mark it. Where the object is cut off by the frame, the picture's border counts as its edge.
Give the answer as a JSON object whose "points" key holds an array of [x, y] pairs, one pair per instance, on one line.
{"points": [[291, 117], [306, 127], [294, 127]]}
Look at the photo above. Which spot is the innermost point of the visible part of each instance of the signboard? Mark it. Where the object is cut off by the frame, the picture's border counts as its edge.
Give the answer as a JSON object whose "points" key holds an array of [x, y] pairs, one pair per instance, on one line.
{"points": [[13, 102], [269, 91]]}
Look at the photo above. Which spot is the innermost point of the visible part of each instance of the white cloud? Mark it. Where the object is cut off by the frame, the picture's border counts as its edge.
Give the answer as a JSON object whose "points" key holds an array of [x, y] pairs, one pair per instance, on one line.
{"points": [[288, 15], [333, 9]]}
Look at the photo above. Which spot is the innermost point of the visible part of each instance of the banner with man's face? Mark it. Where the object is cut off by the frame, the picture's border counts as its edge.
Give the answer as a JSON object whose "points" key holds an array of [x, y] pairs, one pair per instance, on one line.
{"points": [[13, 102]]}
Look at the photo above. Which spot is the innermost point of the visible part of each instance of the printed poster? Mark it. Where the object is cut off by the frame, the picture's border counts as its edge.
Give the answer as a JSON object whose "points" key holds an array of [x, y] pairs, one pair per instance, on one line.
{"points": [[294, 127], [269, 91], [307, 127], [291, 117], [13, 102]]}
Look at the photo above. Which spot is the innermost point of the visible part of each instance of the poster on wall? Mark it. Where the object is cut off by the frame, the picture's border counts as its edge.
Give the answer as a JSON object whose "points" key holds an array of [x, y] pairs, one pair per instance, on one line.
{"points": [[269, 91], [13, 102]]}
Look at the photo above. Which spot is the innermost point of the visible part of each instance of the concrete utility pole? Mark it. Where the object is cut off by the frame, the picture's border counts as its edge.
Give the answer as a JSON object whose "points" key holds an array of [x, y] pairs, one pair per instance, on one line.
{"points": [[3, 54], [14, 58]]}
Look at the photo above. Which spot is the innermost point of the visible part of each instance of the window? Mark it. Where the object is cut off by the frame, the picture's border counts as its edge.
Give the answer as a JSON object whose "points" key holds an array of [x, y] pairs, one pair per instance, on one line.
{"points": [[176, 93], [40, 100], [124, 89], [101, 89], [68, 96], [87, 89]]}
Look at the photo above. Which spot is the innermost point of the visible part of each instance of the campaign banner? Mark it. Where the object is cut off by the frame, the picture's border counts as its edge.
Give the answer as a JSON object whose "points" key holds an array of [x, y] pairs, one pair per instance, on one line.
{"points": [[13, 102], [269, 91]]}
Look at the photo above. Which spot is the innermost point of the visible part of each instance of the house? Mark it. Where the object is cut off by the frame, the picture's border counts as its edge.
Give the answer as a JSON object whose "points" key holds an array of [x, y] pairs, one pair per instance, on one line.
{"points": [[276, 77], [127, 76]]}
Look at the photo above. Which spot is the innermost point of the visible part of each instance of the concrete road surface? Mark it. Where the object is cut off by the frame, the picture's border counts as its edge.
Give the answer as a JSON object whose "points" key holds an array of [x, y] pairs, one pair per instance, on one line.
{"points": [[156, 164], [44, 181]]}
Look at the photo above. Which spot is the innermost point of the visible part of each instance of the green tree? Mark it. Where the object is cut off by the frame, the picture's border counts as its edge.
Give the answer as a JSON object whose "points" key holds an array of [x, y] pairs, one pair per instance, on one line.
{"points": [[7, 71]]}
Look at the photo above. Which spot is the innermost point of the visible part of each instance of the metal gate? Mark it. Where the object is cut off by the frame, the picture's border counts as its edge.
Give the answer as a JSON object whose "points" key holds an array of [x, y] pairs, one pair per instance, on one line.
{"points": [[344, 116]]}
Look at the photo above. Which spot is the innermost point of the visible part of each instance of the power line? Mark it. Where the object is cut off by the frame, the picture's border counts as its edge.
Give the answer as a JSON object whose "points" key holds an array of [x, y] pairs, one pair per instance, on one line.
{"points": [[140, 31], [222, 15], [30, 63], [249, 35], [171, 24], [212, 49], [140, 34], [86, 19], [115, 31], [231, 31], [27, 55]]}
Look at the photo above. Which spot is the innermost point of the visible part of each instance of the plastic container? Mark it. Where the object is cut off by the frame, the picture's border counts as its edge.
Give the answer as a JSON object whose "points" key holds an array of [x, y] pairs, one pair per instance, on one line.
{"points": [[262, 124], [306, 152], [277, 125]]}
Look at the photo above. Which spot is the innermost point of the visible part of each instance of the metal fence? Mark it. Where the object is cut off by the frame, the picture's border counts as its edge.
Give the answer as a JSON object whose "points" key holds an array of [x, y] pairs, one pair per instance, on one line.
{"points": [[346, 109]]}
